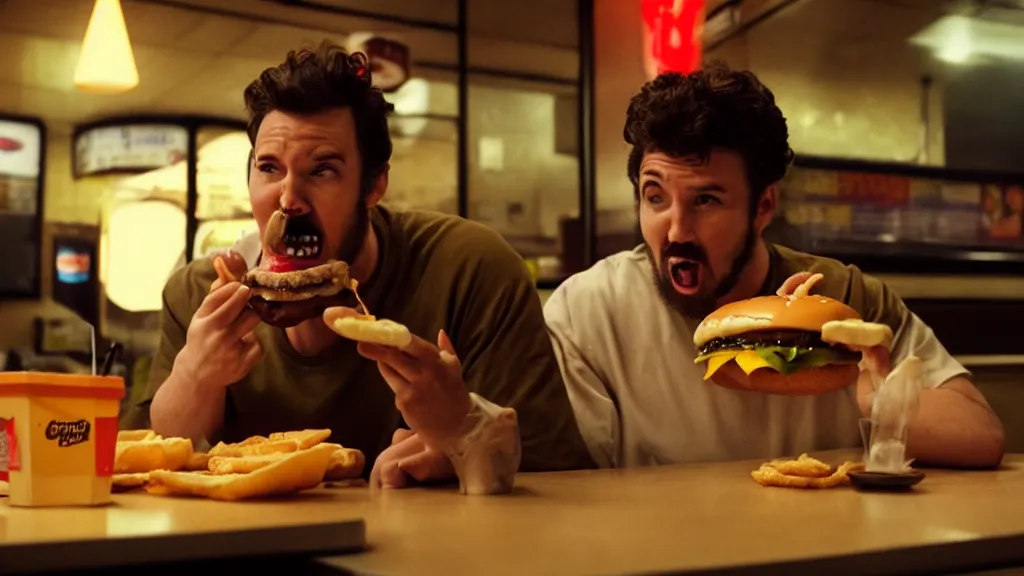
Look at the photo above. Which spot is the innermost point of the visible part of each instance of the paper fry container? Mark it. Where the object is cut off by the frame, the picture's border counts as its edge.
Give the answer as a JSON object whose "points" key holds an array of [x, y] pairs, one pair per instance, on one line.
{"points": [[58, 434]]}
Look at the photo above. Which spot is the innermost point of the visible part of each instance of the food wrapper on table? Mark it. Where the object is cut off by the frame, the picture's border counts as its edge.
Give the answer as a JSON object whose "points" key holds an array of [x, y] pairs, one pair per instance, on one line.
{"points": [[58, 434], [487, 451], [894, 407]]}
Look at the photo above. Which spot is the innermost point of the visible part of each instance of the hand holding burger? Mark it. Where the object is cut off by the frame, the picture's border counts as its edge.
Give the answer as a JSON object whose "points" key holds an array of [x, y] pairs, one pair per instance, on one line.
{"points": [[220, 346], [790, 343]]}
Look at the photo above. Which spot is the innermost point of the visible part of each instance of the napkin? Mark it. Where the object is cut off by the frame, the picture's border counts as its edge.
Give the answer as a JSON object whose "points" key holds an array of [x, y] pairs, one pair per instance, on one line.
{"points": [[486, 452], [894, 407]]}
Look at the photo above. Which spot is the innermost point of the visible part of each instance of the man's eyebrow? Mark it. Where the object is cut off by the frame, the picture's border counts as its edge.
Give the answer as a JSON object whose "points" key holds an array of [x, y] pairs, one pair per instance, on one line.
{"points": [[328, 156], [265, 156], [651, 172], [705, 188]]}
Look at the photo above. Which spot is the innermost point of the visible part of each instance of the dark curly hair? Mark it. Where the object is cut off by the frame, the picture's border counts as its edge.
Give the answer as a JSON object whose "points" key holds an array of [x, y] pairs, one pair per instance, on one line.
{"points": [[313, 80], [687, 115]]}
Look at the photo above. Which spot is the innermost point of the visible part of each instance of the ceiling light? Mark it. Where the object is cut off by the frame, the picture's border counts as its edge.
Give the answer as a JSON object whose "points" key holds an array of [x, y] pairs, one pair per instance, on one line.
{"points": [[959, 39], [106, 64]]}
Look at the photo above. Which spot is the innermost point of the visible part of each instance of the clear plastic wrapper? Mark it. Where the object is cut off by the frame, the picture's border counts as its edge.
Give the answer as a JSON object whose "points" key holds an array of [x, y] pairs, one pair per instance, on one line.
{"points": [[894, 406], [487, 451]]}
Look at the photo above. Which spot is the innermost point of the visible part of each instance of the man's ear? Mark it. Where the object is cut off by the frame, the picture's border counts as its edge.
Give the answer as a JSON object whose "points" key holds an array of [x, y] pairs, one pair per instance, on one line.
{"points": [[766, 206], [379, 187]]}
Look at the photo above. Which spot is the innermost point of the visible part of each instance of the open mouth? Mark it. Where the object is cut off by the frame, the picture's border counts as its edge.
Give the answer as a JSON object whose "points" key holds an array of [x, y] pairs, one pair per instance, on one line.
{"points": [[301, 238], [685, 275]]}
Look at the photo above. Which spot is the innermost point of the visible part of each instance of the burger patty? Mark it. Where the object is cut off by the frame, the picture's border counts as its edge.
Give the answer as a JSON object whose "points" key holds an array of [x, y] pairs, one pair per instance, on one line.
{"points": [[334, 272], [783, 338]]}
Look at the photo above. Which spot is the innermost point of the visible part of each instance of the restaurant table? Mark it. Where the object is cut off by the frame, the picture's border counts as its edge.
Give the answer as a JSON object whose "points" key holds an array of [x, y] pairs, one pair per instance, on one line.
{"points": [[140, 529], [706, 518], [701, 518]]}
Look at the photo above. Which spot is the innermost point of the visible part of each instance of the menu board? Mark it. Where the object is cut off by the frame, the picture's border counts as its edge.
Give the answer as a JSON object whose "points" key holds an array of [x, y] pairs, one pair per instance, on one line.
{"points": [[129, 148], [21, 161], [839, 205]]}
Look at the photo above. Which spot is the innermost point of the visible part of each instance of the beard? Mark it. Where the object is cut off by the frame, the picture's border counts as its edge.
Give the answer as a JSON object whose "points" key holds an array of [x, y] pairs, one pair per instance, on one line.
{"points": [[354, 240], [700, 305]]}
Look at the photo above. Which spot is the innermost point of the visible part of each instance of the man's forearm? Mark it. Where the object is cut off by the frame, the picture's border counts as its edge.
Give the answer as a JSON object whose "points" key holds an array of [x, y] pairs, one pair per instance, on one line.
{"points": [[952, 429], [186, 409]]}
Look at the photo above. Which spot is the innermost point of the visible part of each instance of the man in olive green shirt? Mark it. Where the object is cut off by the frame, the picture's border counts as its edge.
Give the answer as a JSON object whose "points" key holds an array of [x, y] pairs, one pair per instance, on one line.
{"points": [[321, 147]]}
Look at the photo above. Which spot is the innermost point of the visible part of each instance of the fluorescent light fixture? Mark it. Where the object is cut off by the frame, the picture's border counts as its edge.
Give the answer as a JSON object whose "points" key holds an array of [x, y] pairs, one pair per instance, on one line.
{"points": [[959, 39], [106, 64]]}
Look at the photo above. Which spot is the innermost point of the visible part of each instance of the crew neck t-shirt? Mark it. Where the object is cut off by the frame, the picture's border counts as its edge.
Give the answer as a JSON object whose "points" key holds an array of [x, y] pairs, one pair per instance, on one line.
{"points": [[435, 272], [628, 362]]}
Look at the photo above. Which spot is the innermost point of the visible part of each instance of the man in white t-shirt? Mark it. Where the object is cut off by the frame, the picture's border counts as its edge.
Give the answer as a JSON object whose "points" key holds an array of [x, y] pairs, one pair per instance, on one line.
{"points": [[709, 150]]}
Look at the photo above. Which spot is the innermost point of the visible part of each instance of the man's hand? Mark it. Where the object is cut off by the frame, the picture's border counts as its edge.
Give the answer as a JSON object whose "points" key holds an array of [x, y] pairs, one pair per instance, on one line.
{"points": [[230, 267], [875, 365], [427, 381], [409, 461], [220, 346]]}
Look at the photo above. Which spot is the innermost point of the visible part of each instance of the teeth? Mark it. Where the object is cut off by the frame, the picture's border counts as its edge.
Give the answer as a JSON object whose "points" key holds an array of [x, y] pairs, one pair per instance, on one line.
{"points": [[314, 238], [300, 252], [315, 249], [291, 251]]}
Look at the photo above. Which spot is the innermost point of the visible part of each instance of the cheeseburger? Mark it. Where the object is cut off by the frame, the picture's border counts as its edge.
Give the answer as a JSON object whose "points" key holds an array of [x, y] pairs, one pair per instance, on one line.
{"points": [[786, 344], [293, 282]]}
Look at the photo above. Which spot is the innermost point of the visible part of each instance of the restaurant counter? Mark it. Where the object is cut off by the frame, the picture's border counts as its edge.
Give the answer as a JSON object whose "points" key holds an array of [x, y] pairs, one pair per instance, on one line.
{"points": [[703, 518]]}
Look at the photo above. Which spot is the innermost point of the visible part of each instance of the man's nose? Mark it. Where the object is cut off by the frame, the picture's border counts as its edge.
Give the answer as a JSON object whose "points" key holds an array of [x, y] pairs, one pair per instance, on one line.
{"points": [[680, 228], [293, 201]]}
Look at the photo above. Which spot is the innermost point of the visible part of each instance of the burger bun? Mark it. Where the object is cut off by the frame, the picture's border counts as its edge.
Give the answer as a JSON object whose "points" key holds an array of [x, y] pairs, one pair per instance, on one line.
{"points": [[808, 313], [809, 381]]}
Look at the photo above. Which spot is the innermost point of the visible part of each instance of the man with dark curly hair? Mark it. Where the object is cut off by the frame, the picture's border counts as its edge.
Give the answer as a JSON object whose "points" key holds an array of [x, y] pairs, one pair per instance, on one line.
{"points": [[708, 152], [321, 148]]}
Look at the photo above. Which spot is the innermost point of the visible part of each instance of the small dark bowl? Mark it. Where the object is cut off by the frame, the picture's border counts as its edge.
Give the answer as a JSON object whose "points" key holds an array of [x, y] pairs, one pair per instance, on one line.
{"points": [[880, 481]]}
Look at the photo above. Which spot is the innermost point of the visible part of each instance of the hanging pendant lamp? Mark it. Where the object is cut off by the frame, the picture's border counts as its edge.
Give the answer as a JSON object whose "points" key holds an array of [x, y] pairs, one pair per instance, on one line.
{"points": [[106, 64]]}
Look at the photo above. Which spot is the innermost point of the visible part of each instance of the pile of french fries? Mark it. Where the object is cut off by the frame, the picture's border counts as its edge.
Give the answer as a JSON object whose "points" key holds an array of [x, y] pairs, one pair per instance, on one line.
{"points": [[257, 467]]}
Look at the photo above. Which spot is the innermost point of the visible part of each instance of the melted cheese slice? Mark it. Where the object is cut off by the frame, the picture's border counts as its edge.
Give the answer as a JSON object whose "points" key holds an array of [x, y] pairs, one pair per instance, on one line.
{"points": [[748, 361]]}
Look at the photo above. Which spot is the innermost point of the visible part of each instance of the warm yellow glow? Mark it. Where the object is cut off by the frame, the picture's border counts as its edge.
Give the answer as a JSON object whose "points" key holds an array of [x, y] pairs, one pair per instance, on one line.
{"points": [[961, 39], [106, 64], [143, 243]]}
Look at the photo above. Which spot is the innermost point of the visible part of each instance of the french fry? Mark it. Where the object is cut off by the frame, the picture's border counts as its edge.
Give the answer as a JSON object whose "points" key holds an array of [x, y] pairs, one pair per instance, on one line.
{"points": [[198, 461], [220, 465], [292, 472], [148, 455], [128, 482], [254, 448], [802, 466], [345, 464], [305, 438], [767, 475]]}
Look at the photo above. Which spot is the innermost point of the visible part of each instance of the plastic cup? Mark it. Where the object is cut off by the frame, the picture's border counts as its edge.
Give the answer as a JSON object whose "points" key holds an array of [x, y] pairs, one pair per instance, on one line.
{"points": [[58, 434]]}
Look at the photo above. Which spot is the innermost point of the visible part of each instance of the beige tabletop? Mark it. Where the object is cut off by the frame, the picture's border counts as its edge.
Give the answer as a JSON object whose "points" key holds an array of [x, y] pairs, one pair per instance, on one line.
{"points": [[144, 529], [696, 518], [678, 519]]}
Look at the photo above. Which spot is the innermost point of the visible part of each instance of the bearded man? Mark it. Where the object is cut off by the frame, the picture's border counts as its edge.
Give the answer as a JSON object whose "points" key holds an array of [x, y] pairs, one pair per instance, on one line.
{"points": [[232, 365], [708, 152]]}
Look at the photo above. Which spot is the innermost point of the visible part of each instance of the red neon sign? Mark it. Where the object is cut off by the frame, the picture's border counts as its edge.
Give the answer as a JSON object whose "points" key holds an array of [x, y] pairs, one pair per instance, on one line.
{"points": [[674, 29]]}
